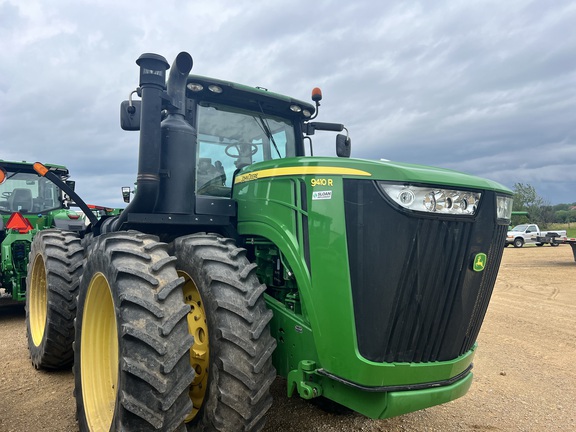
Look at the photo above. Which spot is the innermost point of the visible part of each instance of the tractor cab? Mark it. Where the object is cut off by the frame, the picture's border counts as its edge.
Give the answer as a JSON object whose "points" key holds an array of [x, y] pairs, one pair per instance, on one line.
{"points": [[197, 134], [34, 197], [25, 192], [28, 203], [239, 125]]}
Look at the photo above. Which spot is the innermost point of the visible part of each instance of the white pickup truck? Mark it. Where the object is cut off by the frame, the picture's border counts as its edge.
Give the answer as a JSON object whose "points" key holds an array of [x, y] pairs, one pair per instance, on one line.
{"points": [[530, 233]]}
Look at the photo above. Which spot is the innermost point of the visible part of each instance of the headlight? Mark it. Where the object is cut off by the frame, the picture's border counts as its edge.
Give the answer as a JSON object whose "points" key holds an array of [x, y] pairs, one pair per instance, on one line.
{"points": [[432, 199], [503, 207]]}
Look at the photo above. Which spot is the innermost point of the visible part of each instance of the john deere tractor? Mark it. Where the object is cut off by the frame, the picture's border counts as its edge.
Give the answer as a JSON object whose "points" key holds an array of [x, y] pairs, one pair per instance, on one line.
{"points": [[243, 257], [29, 204]]}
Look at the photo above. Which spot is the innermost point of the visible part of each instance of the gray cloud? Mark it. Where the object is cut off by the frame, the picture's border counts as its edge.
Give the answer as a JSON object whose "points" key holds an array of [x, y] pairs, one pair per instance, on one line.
{"points": [[486, 87]]}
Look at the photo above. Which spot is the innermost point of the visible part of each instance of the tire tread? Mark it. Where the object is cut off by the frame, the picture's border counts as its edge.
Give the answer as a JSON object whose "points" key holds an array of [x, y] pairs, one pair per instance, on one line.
{"points": [[63, 257]]}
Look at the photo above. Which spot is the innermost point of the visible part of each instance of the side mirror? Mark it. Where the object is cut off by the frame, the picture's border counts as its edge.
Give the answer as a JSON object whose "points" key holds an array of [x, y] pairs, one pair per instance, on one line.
{"points": [[343, 145], [130, 115], [126, 194], [71, 184]]}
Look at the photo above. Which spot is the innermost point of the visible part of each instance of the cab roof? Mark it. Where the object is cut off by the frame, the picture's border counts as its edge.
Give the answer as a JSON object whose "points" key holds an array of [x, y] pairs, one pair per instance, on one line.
{"points": [[252, 98], [28, 166]]}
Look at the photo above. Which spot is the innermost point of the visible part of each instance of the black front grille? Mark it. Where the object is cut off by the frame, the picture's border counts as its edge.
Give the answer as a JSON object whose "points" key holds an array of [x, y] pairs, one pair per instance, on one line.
{"points": [[412, 301]]}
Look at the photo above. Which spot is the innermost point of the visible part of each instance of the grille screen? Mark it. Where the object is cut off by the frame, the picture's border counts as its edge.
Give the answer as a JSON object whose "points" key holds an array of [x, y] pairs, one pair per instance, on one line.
{"points": [[412, 302]]}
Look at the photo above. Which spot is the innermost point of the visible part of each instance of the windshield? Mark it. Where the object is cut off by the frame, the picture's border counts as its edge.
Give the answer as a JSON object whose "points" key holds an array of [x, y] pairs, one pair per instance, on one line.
{"points": [[519, 228], [28, 193], [231, 138]]}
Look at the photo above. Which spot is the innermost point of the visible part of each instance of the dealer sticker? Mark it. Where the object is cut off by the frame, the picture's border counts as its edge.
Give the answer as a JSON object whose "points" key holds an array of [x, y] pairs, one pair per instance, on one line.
{"points": [[322, 195]]}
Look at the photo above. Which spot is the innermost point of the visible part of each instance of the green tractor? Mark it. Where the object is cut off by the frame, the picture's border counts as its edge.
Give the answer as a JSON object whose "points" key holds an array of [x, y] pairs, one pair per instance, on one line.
{"points": [[241, 258], [29, 204]]}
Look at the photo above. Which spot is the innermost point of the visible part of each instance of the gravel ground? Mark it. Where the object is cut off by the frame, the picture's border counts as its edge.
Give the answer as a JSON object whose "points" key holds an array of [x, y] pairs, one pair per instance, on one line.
{"points": [[524, 378]]}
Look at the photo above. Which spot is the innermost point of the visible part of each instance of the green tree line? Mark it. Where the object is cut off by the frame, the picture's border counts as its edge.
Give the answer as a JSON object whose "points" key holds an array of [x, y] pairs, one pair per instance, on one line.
{"points": [[539, 210]]}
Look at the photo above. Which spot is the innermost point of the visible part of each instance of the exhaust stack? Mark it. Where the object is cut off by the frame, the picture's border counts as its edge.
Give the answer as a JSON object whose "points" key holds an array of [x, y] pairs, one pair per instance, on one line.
{"points": [[152, 84], [178, 145], [177, 82], [167, 144]]}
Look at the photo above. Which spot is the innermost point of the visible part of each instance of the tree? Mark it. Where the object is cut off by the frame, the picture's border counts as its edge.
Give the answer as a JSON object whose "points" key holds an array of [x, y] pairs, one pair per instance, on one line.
{"points": [[526, 199], [559, 207], [563, 216]]}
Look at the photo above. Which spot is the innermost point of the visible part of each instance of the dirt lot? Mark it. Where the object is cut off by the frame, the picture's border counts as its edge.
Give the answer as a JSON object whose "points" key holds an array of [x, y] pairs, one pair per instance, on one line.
{"points": [[524, 374]]}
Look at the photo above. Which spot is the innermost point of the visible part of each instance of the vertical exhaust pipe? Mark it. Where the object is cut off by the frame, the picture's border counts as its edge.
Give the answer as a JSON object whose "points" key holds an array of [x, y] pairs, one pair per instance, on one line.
{"points": [[177, 82], [152, 84], [178, 145]]}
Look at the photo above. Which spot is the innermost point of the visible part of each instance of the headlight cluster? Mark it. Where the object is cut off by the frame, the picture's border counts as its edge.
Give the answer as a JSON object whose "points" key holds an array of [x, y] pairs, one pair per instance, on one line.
{"points": [[504, 207], [433, 200]]}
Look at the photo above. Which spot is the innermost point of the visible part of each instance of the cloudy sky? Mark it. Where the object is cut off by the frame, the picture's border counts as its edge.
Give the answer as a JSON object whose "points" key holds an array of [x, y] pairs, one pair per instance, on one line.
{"points": [[485, 87]]}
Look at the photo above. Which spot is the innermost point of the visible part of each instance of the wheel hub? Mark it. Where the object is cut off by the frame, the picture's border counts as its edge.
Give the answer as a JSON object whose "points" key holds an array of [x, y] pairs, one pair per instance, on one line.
{"points": [[199, 354], [38, 302], [99, 355]]}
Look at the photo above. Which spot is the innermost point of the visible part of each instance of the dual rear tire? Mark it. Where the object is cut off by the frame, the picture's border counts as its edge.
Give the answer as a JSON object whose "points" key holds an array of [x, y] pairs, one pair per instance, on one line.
{"points": [[131, 350], [139, 310], [166, 337], [232, 354]]}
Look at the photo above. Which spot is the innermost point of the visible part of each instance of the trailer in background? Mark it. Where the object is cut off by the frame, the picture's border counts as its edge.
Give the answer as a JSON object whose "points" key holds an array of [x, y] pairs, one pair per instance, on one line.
{"points": [[556, 241]]}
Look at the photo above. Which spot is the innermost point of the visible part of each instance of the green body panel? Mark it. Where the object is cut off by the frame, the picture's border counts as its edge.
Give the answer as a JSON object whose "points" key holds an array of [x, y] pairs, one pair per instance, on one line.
{"points": [[294, 336], [271, 207], [43, 220], [13, 266], [389, 404], [14, 262], [373, 404]]}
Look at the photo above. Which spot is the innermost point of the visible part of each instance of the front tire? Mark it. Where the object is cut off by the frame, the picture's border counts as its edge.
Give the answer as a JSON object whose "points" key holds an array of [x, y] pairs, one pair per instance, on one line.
{"points": [[54, 270], [232, 354], [131, 359], [518, 242]]}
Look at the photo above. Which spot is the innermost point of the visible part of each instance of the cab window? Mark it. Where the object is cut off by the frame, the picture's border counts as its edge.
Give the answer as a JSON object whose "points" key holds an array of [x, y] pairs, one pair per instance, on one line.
{"points": [[231, 138], [28, 193]]}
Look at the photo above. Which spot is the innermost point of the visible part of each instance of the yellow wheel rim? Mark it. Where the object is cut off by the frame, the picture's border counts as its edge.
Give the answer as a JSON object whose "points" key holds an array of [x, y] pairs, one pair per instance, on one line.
{"points": [[37, 303], [99, 355], [199, 354]]}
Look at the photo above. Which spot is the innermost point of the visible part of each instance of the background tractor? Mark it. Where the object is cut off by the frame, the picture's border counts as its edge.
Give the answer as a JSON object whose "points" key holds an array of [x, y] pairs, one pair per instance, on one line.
{"points": [[28, 204], [242, 257]]}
